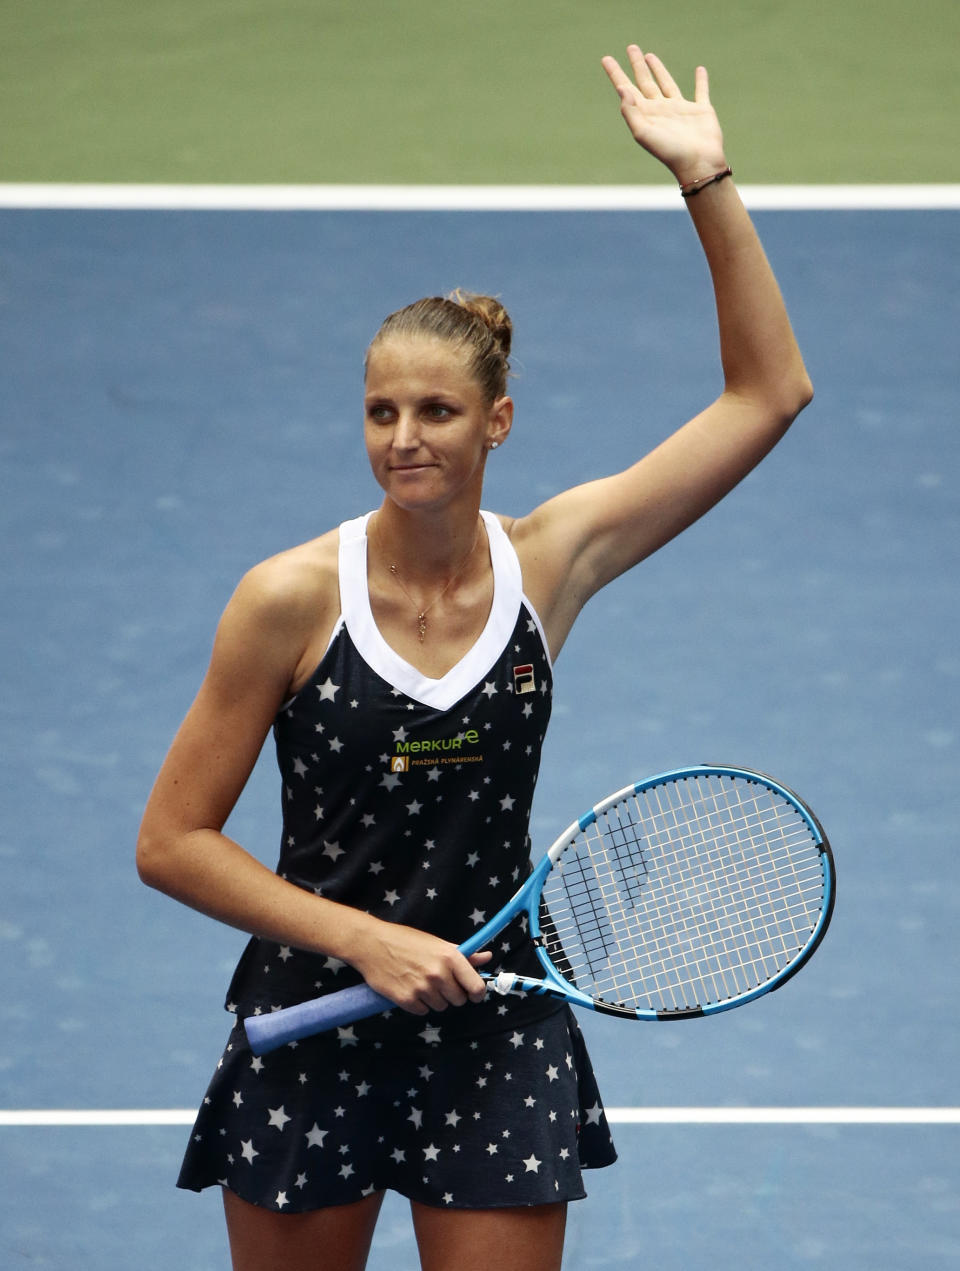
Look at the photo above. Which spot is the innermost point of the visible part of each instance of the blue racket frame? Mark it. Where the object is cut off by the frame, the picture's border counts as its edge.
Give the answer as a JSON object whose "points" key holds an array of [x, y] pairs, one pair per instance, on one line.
{"points": [[553, 983], [267, 1032]]}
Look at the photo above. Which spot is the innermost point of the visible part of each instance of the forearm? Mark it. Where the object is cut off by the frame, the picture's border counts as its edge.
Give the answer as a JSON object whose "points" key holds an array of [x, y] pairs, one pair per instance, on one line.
{"points": [[759, 353], [211, 873]]}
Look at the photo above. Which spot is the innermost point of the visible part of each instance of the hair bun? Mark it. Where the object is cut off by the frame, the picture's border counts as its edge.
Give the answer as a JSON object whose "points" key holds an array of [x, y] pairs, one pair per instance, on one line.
{"points": [[490, 312], [478, 324]]}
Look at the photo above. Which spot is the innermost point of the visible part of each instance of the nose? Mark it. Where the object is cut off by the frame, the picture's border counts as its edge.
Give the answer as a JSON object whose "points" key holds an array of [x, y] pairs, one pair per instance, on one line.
{"points": [[406, 432]]}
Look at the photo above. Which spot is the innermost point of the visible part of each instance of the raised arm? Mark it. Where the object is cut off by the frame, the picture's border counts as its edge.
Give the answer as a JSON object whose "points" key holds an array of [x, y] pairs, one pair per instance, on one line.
{"points": [[580, 540]]}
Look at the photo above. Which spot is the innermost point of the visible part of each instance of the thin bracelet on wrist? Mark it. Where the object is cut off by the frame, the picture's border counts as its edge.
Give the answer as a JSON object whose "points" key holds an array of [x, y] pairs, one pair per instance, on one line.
{"points": [[694, 187]]}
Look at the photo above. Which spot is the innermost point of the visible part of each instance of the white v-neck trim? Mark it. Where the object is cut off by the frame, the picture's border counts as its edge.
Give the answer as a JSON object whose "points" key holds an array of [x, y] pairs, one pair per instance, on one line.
{"points": [[388, 664]]}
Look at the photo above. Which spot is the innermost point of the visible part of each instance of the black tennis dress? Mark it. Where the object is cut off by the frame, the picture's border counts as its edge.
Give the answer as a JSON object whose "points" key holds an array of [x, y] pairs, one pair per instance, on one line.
{"points": [[409, 798]]}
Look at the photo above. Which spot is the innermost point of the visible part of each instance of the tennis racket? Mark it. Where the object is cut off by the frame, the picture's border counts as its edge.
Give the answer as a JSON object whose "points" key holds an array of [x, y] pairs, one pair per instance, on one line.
{"points": [[679, 896]]}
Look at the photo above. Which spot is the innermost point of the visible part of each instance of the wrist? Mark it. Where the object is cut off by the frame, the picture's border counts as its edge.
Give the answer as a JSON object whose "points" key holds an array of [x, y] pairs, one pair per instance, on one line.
{"points": [[698, 168], [347, 933], [688, 189]]}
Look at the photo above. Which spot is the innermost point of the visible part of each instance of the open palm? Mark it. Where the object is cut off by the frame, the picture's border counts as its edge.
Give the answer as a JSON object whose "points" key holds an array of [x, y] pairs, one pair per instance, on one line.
{"points": [[684, 135]]}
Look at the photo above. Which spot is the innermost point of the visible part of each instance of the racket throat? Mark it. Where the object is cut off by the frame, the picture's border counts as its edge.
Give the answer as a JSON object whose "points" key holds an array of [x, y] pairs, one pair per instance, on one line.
{"points": [[502, 983]]}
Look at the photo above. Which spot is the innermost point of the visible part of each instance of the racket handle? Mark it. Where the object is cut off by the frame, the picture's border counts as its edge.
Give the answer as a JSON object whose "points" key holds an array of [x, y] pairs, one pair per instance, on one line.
{"points": [[268, 1032]]}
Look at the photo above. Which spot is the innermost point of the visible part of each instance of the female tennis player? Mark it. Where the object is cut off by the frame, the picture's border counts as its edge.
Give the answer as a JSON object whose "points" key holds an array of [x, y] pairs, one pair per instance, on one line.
{"points": [[404, 661]]}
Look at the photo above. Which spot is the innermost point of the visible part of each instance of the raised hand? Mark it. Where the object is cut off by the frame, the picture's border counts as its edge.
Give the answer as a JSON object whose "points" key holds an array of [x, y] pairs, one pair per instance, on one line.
{"points": [[684, 135]]}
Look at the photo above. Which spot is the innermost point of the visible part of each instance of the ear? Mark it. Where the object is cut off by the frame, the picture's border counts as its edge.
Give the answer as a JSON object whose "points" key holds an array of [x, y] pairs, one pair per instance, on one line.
{"points": [[500, 421]]}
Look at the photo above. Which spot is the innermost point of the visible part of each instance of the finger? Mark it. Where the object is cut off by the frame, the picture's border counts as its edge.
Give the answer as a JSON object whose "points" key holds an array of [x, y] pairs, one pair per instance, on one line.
{"points": [[641, 71], [438, 995], [415, 1006], [477, 991], [702, 90], [617, 76], [667, 84]]}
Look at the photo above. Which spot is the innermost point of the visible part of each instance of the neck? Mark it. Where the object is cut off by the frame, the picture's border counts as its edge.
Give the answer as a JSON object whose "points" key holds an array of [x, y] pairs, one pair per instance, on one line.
{"points": [[424, 549], [436, 574]]}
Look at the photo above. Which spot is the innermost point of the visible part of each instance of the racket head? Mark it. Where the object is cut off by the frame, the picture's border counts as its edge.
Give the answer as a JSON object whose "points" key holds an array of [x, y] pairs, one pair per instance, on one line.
{"points": [[683, 895]]}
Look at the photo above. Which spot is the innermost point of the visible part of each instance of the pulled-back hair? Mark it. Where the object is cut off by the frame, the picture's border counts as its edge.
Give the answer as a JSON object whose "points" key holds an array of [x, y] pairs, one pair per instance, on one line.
{"points": [[479, 323]]}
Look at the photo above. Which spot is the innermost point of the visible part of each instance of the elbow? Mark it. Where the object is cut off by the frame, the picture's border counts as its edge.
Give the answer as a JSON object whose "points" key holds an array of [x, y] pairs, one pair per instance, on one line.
{"points": [[798, 388], [793, 396], [804, 393], [146, 862], [151, 860]]}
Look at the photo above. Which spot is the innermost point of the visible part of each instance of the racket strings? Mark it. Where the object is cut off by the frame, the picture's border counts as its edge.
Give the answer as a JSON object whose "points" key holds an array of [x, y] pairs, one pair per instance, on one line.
{"points": [[688, 893]]}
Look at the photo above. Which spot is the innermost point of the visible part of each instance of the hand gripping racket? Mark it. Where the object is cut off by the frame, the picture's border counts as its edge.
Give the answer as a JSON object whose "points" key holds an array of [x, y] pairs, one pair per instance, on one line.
{"points": [[680, 896]]}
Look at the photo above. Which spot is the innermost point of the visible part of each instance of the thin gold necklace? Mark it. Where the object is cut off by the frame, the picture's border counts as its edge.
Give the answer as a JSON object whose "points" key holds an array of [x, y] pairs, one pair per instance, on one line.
{"points": [[422, 612]]}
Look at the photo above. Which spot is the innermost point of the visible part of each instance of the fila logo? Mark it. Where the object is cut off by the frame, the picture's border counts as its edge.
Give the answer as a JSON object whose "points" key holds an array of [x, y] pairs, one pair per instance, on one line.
{"points": [[523, 679]]}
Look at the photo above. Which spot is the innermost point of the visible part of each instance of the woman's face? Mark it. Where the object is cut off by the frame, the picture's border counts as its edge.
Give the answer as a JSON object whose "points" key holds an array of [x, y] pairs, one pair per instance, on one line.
{"points": [[427, 425]]}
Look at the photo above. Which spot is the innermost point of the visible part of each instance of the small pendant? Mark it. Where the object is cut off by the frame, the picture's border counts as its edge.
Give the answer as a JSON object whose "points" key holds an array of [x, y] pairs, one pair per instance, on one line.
{"points": [[422, 624]]}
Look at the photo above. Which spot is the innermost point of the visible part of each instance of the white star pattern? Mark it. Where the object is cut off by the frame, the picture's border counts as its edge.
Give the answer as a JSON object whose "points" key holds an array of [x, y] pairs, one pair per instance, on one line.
{"points": [[466, 791], [328, 690]]}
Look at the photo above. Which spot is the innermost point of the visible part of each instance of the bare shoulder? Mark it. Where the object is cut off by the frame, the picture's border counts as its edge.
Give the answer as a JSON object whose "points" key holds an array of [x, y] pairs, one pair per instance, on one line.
{"points": [[547, 544], [286, 607], [298, 579]]}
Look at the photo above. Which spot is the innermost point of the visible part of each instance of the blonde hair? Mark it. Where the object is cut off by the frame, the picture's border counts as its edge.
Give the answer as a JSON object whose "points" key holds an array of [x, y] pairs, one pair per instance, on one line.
{"points": [[479, 323]]}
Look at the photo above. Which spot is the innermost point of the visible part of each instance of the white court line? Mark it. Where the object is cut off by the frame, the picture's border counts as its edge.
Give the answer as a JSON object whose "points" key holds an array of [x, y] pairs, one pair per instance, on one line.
{"points": [[784, 1116], [482, 198], [70, 1117]]}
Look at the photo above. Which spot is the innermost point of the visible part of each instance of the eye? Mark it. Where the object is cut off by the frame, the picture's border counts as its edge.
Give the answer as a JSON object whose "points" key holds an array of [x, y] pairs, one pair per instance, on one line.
{"points": [[438, 412], [379, 414]]}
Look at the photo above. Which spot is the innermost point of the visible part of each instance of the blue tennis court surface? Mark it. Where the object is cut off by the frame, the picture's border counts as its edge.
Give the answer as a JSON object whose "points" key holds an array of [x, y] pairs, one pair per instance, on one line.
{"points": [[181, 397]]}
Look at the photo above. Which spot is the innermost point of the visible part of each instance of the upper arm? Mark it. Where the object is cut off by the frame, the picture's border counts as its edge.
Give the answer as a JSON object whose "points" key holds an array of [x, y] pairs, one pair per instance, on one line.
{"points": [[577, 542], [259, 642]]}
